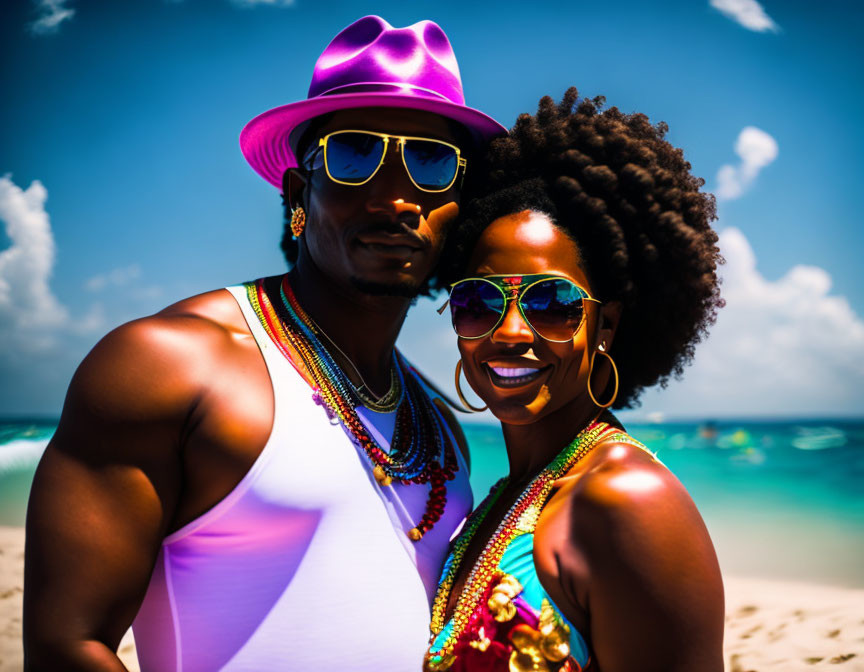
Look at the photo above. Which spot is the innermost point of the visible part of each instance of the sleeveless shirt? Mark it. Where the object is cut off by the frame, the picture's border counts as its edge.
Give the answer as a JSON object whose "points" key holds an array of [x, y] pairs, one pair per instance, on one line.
{"points": [[306, 563]]}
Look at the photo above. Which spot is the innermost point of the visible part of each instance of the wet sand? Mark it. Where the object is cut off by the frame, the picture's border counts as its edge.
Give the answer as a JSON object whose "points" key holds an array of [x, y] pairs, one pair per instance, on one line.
{"points": [[770, 626]]}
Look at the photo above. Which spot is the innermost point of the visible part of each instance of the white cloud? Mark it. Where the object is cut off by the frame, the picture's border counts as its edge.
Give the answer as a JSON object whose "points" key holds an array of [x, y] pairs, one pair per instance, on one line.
{"points": [[117, 277], [51, 14], [748, 13], [783, 347], [31, 316], [41, 341], [26, 300], [757, 149]]}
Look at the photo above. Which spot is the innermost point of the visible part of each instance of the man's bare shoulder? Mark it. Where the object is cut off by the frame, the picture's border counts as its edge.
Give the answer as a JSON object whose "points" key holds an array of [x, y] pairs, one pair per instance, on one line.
{"points": [[157, 364], [198, 321], [214, 309]]}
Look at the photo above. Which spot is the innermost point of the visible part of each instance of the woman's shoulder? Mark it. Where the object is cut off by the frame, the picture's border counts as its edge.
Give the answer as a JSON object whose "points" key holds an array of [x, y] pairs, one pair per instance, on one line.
{"points": [[621, 495], [619, 477], [621, 521]]}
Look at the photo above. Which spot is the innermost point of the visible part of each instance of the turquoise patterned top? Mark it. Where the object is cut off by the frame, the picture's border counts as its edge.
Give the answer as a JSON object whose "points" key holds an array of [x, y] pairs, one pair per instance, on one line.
{"points": [[518, 562]]}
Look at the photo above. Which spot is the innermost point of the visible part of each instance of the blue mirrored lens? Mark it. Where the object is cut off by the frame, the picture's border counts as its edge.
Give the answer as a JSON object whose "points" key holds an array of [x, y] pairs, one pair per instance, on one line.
{"points": [[554, 308], [353, 157], [431, 164], [475, 307]]}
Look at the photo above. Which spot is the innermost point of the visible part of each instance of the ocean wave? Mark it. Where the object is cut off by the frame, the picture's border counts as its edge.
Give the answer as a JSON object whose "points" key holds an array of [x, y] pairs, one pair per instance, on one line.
{"points": [[21, 454], [819, 438]]}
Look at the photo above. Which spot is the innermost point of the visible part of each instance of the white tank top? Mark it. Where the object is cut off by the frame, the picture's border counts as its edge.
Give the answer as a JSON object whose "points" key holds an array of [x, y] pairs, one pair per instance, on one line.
{"points": [[306, 564]]}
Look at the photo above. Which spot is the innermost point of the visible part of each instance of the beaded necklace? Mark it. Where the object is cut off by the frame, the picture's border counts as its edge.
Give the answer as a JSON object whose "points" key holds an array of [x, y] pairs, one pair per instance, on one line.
{"points": [[386, 403], [418, 436], [521, 518]]}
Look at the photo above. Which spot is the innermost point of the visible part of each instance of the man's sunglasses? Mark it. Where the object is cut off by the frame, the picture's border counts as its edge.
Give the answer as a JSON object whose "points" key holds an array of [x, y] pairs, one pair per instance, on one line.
{"points": [[353, 158], [554, 307]]}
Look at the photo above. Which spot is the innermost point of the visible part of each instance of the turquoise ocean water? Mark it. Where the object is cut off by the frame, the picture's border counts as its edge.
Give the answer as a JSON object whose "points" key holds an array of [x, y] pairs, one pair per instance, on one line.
{"points": [[783, 500]]}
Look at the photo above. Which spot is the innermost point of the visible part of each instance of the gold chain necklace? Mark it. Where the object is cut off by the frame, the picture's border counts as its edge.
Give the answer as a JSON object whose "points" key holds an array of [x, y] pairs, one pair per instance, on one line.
{"points": [[389, 401]]}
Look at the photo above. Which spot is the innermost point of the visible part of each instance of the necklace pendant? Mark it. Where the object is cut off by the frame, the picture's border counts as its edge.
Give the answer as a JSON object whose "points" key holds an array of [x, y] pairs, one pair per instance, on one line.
{"points": [[439, 663], [318, 398], [381, 476]]}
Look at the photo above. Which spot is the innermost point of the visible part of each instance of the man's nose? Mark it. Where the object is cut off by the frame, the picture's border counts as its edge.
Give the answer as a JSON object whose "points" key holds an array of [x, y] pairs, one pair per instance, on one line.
{"points": [[391, 191], [513, 328]]}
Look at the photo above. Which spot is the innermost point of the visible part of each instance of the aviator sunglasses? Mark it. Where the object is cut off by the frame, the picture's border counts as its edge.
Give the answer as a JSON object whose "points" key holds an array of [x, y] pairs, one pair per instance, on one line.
{"points": [[353, 158], [554, 307]]}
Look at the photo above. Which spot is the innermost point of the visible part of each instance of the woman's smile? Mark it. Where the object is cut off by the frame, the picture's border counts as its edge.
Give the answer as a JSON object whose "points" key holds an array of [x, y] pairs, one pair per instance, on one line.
{"points": [[515, 373]]}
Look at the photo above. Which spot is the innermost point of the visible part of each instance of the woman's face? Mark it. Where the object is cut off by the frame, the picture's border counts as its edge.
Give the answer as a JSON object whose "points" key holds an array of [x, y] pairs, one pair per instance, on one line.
{"points": [[527, 243]]}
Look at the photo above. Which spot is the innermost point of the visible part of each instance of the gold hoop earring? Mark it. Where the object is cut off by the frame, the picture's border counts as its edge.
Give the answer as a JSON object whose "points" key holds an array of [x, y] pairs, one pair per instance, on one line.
{"points": [[468, 407], [602, 350], [298, 221]]}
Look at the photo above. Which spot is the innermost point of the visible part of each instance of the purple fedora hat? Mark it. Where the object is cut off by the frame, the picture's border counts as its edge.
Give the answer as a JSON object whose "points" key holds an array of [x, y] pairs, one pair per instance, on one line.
{"points": [[369, 64]]}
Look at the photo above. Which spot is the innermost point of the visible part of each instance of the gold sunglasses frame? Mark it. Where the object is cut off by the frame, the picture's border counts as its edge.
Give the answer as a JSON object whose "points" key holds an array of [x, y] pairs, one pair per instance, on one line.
{"points": [[401, 139], [517, 297]]}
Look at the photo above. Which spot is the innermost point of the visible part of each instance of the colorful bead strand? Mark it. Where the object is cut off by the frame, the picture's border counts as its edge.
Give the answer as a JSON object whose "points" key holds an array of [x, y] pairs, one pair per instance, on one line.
{"points": [[419, 437], [521, 518]]}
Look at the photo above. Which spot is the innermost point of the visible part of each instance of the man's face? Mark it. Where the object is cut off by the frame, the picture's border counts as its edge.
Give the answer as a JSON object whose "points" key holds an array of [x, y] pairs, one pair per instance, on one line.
{"points": [[382, 237]]}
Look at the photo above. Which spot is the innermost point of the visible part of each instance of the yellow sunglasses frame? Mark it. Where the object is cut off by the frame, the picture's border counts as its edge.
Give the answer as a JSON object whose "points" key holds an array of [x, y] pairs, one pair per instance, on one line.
{"points": [[401, 139]]}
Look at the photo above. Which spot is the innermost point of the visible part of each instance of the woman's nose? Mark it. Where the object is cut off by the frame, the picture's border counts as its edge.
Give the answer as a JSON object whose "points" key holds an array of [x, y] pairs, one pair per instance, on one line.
{"points": [[513, 328]]}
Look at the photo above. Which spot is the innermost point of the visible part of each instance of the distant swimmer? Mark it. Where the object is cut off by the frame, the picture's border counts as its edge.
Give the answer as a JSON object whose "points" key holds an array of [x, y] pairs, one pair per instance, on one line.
{"points": [[708, 431]]}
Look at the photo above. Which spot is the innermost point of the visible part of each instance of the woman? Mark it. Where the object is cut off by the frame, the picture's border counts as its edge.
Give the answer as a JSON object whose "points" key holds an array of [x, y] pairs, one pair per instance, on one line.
{"points": [[590, 247]]}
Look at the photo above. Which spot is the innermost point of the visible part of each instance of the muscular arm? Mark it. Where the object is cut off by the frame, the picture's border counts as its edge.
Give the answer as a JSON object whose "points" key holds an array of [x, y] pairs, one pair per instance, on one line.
{"points": [[634, 561], [104, 495]]}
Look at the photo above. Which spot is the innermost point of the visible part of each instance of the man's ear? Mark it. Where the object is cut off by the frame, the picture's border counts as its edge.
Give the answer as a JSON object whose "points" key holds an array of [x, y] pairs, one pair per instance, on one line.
{"points": [[610, 316], [293, 184]]}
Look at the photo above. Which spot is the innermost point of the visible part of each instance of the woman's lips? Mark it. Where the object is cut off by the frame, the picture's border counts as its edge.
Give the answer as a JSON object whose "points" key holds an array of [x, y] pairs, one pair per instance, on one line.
{"points": [[514, 376]]}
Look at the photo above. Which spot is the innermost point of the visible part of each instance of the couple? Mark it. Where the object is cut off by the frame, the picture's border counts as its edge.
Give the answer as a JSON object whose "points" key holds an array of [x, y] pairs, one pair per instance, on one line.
{"points": [[257, 480]]}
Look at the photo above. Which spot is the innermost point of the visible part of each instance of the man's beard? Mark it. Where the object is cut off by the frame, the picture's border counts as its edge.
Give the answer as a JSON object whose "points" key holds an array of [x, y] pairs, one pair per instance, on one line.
{"points": [[405, 290]]}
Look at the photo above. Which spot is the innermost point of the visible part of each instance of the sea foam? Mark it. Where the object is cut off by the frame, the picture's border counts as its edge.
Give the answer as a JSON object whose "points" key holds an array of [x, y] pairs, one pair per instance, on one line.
{"points": [[21, 454]]}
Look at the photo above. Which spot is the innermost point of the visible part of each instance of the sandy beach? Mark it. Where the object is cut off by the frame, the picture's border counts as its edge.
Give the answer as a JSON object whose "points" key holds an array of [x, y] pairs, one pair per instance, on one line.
{"points": [[788, 627]]}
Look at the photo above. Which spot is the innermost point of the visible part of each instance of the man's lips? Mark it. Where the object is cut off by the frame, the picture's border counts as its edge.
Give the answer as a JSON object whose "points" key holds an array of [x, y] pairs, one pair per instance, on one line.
{"points": [[391, 244], [391, 240]]}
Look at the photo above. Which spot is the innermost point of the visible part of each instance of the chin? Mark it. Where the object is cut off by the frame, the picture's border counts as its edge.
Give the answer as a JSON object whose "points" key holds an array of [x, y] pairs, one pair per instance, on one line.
{"points": [[406, 288], [514, 414]]}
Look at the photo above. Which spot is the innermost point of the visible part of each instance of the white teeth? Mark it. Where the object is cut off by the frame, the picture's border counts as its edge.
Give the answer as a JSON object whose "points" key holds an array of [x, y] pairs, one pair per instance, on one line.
{"points": [[512, 373]]}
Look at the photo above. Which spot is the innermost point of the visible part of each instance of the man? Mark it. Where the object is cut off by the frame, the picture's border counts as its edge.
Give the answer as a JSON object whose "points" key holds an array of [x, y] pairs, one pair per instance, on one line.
{"points": [[253, 475]]}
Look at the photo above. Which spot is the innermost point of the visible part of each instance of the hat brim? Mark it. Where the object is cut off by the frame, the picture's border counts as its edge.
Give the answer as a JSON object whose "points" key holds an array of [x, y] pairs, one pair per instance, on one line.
{"points": [[264, 141]]}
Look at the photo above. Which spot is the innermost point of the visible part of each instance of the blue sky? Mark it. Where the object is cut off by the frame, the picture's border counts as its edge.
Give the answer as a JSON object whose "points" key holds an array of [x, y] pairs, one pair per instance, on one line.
{"points": [[122, 188]]}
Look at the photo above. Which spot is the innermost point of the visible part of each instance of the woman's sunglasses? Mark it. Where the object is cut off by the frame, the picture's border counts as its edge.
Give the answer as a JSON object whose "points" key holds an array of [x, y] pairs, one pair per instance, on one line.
{"points": [[554, 307], [353, 158]]}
